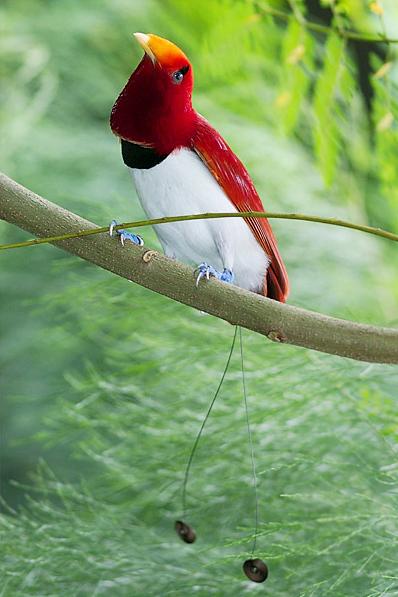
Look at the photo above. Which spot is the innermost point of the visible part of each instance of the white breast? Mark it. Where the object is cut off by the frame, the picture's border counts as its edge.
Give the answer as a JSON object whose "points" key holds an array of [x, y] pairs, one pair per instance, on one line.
{"points": [[182, 185]]}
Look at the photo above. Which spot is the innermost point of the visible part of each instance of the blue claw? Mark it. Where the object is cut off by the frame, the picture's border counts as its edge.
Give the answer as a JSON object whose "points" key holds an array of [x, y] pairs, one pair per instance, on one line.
{"points": [[124, 235], [205, 271], [227, 276]]}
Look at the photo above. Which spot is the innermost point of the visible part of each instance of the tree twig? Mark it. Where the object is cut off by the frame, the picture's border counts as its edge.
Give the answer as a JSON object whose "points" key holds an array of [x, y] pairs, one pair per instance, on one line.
{"points": [[280, 323], [265, 9]]}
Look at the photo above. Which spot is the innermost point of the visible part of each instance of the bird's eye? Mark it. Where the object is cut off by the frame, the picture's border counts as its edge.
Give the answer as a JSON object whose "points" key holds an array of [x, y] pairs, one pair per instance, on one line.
{"points": [[178, 75]]}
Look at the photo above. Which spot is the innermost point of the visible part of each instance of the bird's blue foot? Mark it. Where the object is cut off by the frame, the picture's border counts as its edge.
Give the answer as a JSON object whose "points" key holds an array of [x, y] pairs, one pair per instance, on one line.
{"points": [[206, 271], [124, 235], [227, 276]]}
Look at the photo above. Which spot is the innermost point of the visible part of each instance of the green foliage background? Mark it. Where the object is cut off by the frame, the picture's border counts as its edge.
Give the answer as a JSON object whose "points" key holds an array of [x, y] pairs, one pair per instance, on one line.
{"points": [[104, 384]]}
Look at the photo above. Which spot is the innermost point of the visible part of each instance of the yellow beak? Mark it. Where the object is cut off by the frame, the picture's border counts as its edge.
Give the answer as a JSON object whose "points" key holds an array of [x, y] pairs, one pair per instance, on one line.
{"points": [[144, 41], [160, 50]]}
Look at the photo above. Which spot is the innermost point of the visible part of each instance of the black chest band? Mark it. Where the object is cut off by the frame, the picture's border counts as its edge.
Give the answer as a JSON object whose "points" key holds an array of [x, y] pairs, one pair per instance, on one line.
{"points": [[136, 156]]}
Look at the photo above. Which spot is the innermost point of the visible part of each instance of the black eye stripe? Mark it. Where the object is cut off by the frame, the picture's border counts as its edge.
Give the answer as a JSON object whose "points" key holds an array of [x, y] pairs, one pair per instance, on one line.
{"points": [[184, 69]]}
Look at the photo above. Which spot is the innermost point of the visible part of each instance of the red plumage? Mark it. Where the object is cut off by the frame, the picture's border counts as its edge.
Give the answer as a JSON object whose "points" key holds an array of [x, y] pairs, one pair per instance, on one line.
{"points": [[233, 177], [171, 119]]}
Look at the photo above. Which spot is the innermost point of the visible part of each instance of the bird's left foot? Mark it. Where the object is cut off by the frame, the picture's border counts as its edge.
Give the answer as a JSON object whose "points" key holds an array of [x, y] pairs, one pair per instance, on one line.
{"points": [[124, 235], [206, 271], [227, 276]]}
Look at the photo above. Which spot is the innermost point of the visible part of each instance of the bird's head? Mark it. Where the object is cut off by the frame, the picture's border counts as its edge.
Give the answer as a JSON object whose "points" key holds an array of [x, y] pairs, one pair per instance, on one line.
{"points": [[155, 106]]}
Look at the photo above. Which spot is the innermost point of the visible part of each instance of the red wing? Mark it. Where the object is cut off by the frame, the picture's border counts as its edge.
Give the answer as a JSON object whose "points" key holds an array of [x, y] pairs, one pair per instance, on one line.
{"points": [[233, 177]]}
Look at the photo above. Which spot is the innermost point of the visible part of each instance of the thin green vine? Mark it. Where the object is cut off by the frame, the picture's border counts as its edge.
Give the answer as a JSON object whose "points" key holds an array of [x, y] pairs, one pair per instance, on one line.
{"points": [[206, 216]]}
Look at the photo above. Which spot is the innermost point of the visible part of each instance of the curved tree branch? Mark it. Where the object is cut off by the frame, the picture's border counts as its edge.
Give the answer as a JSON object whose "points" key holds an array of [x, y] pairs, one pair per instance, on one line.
{"points": [[280, 323]]}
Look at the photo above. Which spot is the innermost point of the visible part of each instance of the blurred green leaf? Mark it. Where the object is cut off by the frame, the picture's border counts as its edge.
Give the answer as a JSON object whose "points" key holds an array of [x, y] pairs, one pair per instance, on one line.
{"points": [[326, 131]]}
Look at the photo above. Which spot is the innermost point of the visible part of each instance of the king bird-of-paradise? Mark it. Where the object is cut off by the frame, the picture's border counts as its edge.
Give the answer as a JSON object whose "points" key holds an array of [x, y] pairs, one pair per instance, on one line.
{"points": [[181, 165]]}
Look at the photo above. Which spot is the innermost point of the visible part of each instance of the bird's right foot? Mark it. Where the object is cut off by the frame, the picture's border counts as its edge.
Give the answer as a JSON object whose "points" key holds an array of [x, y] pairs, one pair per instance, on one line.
{"points": [[124, 235], [207, 271]]}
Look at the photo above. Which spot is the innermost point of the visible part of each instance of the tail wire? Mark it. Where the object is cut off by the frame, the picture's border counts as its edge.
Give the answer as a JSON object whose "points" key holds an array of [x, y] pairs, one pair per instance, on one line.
{"points": [[249, 433], [195, 445], [199, 435]]}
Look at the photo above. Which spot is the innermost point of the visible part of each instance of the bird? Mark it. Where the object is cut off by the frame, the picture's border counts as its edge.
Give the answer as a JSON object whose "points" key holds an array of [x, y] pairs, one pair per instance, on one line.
{"points": [[181, 165]]}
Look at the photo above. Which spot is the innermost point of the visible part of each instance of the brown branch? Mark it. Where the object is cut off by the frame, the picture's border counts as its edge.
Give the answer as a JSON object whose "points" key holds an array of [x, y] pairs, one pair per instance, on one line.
{"points": [[280, 323]]}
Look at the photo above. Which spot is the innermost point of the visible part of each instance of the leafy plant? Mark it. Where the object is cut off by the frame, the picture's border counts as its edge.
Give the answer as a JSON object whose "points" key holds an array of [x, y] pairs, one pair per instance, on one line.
{"points": [[106, 384]]}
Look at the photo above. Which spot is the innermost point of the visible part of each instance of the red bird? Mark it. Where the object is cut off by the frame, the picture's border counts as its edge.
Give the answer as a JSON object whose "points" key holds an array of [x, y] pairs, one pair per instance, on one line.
{"points": [[181, 165]]}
